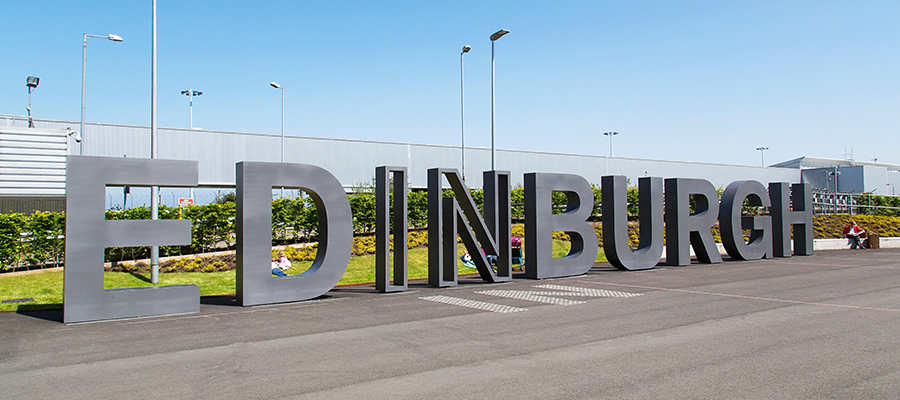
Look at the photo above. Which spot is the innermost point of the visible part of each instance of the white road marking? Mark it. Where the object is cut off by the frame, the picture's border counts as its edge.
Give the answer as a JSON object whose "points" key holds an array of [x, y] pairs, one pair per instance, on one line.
{"points": [[478, 305], [552, 296], [528, 295], [589, 291]]}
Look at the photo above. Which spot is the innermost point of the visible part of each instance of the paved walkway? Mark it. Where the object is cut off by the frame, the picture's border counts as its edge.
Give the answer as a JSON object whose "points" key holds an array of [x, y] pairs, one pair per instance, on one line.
{"points": [[823, 326]]}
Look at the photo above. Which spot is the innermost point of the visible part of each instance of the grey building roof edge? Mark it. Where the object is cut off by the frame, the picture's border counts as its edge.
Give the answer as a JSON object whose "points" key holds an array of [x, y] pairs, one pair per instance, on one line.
{"points": [[15, 117]]}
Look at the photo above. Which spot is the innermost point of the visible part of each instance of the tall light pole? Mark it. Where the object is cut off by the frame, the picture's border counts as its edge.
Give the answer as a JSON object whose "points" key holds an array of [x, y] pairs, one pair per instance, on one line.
{"points": [[154, 149], [277, 86], [462, 106], [111, 37], [835, 173], [610, 134], [762, 154], [497, 35], [32, 83], [190, 93]]}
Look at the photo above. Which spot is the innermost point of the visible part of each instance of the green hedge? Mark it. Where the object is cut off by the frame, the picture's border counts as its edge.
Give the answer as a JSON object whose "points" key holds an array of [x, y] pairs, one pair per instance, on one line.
{"points": [[32, 240], [37, 239]]}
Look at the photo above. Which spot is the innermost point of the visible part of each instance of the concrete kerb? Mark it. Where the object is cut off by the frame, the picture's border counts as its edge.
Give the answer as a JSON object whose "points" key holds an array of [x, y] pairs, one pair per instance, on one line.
{"points": [[826, 245], [210, 254]]}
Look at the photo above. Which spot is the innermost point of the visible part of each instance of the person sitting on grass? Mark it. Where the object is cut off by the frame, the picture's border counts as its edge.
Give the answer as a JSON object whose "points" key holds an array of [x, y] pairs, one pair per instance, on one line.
{"points": [[283, 262], [280, 264], [468, 262]]}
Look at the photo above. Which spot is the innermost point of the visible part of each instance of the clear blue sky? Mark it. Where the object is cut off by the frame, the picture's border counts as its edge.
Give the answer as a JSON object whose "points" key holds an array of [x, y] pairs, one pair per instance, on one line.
{"points": [[700, 81]]}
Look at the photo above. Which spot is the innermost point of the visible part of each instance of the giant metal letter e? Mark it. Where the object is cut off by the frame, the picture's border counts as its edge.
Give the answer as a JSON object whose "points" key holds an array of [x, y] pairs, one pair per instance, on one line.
{"points": [[88, 233]]}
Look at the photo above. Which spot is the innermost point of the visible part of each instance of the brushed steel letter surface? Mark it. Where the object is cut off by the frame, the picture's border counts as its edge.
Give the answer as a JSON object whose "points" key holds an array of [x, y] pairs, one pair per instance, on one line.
{"points": [[383, 229], [684, 229], [615, 223], [540, 223], [731, 222], [254, 280], [492, 236], [794, 213], [88, 233]]}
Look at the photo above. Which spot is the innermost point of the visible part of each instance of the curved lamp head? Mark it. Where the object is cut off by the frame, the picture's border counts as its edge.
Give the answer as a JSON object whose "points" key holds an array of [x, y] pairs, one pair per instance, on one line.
{"points": [[466, 49], [115, 38], [499, 34], [70, 132], [275, 85]]}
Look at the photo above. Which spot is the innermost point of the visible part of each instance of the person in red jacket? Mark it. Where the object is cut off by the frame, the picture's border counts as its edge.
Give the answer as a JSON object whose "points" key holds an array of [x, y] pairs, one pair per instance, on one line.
{"points": [[854, 234]]}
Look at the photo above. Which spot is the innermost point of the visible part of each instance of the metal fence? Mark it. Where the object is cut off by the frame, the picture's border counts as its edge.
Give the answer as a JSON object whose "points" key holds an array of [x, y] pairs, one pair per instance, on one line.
{"points": [[830, 202]]}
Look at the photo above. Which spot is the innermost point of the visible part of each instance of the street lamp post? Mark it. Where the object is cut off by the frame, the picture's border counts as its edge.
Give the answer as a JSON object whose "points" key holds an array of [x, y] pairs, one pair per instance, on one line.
{"points": [[835, 173], [610, 134], [111, 37], [154, 148], [762, 154], [190, 93], [494, 37], [278, 86], [462, 106]]}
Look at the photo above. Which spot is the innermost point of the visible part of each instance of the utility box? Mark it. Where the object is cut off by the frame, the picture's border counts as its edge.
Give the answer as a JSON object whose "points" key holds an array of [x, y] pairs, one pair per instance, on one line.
{"points": [[874, 242]]}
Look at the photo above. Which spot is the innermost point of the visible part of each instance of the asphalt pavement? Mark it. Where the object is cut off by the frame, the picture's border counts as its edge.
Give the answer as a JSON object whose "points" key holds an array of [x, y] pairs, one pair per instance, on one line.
{"points": [[823, 326]]}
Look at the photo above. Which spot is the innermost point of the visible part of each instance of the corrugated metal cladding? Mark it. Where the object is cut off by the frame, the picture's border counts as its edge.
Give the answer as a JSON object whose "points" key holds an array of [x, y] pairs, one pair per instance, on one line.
{"points": [[32, 162], [354, 161], [28, 205]]}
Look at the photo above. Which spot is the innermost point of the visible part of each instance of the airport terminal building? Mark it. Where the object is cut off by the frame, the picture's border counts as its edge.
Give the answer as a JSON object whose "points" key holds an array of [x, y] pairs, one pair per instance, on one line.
{"points": [[32, 161]]}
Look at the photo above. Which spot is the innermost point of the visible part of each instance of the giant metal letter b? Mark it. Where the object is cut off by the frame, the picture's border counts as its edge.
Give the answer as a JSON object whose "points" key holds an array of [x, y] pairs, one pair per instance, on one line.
{"points": [[540, 223]]}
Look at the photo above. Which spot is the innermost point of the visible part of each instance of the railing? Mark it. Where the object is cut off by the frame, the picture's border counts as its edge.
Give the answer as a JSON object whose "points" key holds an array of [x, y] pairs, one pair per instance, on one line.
{"points": [[829, 202]]}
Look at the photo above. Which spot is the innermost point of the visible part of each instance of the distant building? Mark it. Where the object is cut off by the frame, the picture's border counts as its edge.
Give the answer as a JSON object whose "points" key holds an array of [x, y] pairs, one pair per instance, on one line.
{"points": [[853, 176]]}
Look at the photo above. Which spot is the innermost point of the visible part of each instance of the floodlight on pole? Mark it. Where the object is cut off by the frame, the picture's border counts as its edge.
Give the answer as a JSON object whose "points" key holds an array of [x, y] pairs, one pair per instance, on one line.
{"points": [[190, 93], [762, 154], [494, 37], [462, 106], [110, 37], [610, 134], [32, 83]]}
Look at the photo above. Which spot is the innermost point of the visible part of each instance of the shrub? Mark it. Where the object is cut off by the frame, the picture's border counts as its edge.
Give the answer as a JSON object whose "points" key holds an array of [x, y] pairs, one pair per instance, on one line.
{"points": [[11, 248]]}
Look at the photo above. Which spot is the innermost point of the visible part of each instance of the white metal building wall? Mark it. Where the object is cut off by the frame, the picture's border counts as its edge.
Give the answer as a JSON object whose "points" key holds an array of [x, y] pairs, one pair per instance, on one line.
{"points": [[354, 161], [32, 162]]}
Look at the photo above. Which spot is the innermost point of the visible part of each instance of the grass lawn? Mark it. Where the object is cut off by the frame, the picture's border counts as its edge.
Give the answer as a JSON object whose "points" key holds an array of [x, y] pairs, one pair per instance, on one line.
{"points": [[46, 288]]}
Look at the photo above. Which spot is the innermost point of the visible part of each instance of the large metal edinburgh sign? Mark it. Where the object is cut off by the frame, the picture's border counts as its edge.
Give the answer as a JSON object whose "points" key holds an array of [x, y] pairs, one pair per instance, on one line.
{"points": [[664, 206]]}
